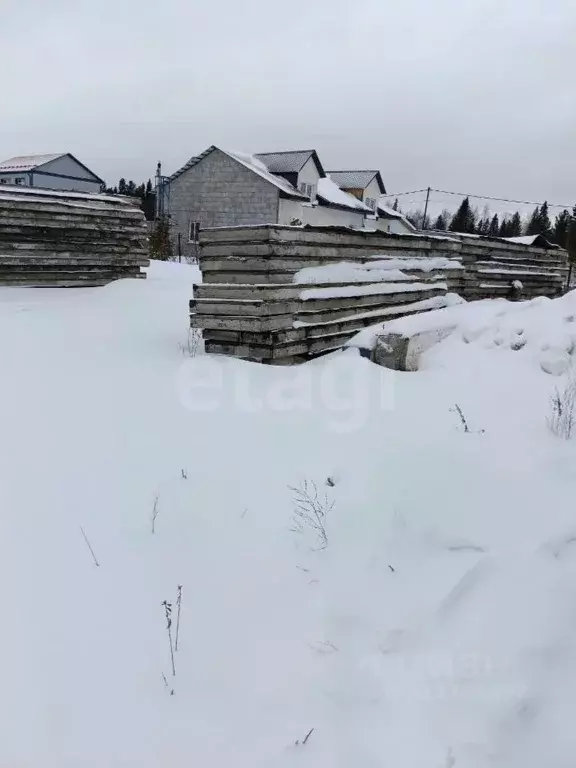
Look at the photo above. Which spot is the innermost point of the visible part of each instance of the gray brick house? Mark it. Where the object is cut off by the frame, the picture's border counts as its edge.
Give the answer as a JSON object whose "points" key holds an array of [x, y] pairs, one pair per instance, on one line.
{"points": [[219, 188]]}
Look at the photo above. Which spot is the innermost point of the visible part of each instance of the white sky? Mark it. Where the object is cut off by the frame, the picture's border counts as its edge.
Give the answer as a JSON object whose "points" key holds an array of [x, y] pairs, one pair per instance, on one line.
{"points": [[470, 95]]}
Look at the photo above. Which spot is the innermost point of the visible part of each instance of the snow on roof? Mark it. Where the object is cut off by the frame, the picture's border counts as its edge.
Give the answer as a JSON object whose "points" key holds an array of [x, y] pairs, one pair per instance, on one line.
{"points": [[331, 193], [248, 161], [27, 162], [352, 179], [285, 162], [257, 166], [386, 212]]}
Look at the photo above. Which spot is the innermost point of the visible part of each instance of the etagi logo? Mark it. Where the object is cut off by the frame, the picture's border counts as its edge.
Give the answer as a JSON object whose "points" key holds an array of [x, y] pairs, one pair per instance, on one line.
{"points": [[344, 391]]}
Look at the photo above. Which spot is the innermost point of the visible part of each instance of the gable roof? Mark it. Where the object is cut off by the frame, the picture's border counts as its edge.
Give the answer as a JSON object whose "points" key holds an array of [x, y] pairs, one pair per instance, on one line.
{"points": [[329, 193], [386, 212], [248, 161], [290, 162], [27, 163], [357, 179]]}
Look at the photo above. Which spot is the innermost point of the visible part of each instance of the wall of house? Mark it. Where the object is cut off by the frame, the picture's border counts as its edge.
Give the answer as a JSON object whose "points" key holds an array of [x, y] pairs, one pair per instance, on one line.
{"points": [[394, 226], [309, 174], [10, 178], [219, 192], [318, 215], [83, 180], [372, 190]]}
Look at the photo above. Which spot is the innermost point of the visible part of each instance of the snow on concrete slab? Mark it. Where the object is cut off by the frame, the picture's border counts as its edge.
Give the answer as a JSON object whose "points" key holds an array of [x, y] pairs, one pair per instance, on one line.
{"points": [[343, 291], [437, 626], [381, 269]]}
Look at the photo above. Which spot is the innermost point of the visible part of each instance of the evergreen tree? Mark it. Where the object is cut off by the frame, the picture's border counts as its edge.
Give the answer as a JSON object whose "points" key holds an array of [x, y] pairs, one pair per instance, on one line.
{"points": [[515, 225], [505, 228], [494, 228], [149, 187], [464, 220], [160, 243], [131, 188], [122, 186], [483, 227], [533, 223], [395, 206], [561, 228], [545, 223], [440, 223]]}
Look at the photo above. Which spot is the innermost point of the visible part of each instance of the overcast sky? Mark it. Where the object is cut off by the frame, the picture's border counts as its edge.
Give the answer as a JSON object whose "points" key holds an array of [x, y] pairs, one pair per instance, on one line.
{"points": [[471, 95]]}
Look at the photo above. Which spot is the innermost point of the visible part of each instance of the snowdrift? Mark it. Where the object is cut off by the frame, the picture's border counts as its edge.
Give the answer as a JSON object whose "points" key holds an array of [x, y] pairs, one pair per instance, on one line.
{"points": [[435, 628]]}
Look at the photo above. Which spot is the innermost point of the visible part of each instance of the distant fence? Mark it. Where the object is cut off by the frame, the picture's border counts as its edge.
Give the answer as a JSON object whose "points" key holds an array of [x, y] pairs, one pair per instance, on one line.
{"points": [[256, 303], [69, 239]]}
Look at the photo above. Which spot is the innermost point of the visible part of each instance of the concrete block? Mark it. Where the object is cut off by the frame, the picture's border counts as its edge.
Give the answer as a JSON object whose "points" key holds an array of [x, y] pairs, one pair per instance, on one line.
{"points": [[402, 352]]}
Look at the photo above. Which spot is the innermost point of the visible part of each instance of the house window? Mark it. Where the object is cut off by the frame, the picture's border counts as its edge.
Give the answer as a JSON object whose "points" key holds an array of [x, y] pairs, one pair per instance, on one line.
{"points": [[194, 232], [19, 181], [371, 203], [4, 181], [308, 189]]}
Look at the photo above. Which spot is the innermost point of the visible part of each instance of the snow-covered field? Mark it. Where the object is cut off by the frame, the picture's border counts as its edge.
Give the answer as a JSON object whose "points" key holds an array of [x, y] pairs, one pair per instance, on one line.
{"points": [[437, 628]]}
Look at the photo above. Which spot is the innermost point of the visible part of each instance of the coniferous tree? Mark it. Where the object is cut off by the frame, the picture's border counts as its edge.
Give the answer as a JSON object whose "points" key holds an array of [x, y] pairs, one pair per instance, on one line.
{"points": [[561, 225], [464, 220], [533, 223], [545, 223], [440, 223], [494, 228], [395, 206], [515, 225], [122, 186], [506, 227], [149, 187]]}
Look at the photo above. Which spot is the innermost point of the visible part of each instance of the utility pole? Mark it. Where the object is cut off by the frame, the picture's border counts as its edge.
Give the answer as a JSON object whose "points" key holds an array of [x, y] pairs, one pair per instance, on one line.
{"points": [[426, 208]]}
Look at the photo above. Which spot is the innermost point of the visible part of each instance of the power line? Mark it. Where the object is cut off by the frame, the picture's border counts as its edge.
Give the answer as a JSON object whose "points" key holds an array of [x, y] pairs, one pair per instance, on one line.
{"points": [[480, 197]]}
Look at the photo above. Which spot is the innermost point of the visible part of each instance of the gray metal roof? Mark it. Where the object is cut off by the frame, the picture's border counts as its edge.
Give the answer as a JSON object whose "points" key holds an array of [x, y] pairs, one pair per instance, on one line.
{"points": [[353, 179], [28, 162], [286, 162]]}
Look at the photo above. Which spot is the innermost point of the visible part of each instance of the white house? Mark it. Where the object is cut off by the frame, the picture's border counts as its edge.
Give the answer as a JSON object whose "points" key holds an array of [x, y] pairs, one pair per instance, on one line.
{"points": [[327, 204], [56, 171], [368, 187], [392, 221]]}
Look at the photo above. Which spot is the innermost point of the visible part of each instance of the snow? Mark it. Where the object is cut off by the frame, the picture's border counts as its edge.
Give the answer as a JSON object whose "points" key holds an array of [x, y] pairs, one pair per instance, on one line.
{"points": [[391, 213], [331, 192], [371, 289], [258, 167], [27, 162], [385, 269], [436, 628], [10, 190], [522, 240]]}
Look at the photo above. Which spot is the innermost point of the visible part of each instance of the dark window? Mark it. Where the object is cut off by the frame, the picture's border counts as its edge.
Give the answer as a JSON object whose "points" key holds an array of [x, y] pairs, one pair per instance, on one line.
{"points": [[194, 232]]}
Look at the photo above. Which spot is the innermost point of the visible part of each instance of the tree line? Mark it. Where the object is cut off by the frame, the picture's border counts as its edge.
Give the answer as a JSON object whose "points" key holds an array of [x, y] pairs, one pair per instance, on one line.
{"points": [[144, 191], [468, 220]]}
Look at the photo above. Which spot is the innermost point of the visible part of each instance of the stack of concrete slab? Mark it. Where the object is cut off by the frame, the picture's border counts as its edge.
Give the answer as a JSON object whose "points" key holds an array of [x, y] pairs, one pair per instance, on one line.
{"points": [[282, 294], [69, 239]]}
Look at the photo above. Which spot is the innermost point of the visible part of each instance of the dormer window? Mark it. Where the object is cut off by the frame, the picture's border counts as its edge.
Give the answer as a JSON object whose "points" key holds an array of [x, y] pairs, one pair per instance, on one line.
{"points": [[309, 190], [371, 203]]}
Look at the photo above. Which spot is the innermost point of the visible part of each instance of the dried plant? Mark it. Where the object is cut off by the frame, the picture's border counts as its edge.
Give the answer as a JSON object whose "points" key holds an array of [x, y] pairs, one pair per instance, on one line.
{"points": [[96, 563], [155, 510], [190, 349], [563, 406], [168, 613], [178, 608], [311, 511]]}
